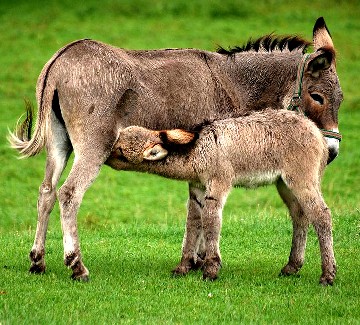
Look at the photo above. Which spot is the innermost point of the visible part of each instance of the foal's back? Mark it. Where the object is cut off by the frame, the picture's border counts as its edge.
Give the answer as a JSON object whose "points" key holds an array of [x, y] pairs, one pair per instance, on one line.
{"points": [[259, 148]]}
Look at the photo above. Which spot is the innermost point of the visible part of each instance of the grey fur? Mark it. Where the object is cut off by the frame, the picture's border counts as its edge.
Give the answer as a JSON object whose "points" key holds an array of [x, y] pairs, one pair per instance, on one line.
{"points": [[267, 147], [88, 91]]}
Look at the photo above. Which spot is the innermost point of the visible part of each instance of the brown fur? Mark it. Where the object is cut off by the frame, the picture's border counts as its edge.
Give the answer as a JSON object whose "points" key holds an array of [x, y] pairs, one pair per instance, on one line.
{"points": [[279, 147], [88, 91]]}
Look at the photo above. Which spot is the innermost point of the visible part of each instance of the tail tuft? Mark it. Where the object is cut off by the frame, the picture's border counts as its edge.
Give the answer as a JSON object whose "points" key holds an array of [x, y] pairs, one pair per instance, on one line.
{"points": [[20, 139]]}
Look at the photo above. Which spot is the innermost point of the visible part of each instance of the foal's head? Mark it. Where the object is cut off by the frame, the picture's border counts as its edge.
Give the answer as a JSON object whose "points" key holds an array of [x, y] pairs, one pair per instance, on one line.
{"points": [[137, 144]]}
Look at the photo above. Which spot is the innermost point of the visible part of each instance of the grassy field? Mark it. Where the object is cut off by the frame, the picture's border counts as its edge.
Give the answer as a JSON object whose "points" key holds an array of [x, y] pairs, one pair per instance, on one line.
{"points": [[131, 225]]}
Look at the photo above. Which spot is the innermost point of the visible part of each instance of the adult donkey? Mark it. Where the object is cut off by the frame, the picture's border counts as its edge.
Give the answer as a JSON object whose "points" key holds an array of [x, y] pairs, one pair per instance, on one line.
{"points": [[88, 91]]}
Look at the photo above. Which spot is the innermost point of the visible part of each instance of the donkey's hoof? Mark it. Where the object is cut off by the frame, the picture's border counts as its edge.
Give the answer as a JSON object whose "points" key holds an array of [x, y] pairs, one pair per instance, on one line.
{"points": [[37, 268], [80, 277], [210, 277], [180, 270], [198, 264], [327, 279], [37, 262], [187, 265], [289, 270]]}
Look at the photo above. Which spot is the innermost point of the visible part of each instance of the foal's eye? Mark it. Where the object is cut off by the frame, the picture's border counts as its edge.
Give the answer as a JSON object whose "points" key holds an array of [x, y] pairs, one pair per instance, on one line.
{"points": [[317, 98]]}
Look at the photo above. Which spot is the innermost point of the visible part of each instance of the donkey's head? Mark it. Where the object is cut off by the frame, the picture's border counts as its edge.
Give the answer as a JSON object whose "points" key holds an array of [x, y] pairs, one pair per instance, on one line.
{"points": [[321, 94], [136, 143]]}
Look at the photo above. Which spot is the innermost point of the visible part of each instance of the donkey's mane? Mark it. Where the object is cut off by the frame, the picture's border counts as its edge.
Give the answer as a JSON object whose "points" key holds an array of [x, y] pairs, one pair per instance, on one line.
{"points": [[269, 43]]}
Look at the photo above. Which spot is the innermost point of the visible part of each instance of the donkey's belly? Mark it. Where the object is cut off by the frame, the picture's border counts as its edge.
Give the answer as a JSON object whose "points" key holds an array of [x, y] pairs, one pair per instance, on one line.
{"points": [[257, 179]]}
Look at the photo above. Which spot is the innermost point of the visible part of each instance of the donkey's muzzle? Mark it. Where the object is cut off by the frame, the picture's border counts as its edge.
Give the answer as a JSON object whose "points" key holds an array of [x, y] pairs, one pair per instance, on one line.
{"points": [[333, 153], [332, 138]]}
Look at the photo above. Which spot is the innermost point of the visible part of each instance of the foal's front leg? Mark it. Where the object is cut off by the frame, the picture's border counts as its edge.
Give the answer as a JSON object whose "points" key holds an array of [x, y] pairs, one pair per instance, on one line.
{"points": [[193, 249], [215, 198]]}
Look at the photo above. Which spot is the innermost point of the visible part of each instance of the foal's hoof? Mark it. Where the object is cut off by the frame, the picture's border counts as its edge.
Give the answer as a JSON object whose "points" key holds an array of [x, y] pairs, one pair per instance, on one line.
{"points": [[211, 268]]}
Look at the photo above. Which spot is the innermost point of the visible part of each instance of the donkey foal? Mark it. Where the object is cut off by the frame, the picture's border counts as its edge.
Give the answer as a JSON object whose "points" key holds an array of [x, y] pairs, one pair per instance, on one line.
{"points": [[267, 147]]}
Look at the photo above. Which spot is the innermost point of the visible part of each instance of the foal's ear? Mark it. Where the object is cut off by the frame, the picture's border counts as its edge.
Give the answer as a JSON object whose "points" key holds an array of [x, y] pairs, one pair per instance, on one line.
{"points": [[320, 62], [177, 136], [321, 35]]}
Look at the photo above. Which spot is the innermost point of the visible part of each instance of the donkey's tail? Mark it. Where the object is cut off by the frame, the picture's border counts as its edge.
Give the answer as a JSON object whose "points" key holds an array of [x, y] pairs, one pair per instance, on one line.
{"points": [[21, 139]]}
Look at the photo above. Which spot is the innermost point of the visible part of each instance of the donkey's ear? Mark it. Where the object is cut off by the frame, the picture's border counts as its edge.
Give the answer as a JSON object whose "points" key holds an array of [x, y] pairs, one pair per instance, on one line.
{"points": [[177, 136], [321, 35], [320, 62], [156, 152]]}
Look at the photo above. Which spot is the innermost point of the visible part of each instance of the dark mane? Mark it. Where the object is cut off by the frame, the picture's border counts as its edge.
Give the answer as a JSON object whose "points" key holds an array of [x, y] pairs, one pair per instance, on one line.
{"points": [[269, 43]]}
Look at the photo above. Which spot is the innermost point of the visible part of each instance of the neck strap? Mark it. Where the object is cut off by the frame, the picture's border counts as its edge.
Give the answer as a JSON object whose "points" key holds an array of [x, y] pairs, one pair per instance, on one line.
{"points": [[296, 99]]}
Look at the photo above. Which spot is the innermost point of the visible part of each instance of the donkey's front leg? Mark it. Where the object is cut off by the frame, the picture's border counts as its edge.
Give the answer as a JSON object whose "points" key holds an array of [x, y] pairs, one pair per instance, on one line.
{"points": [[70, 196], [300, 229], [46, 201], [193, 250], [212, 218]]}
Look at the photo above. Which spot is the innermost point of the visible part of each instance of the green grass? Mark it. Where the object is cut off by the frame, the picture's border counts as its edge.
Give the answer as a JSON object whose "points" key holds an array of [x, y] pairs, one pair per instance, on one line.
{"points": [[131, 225]]}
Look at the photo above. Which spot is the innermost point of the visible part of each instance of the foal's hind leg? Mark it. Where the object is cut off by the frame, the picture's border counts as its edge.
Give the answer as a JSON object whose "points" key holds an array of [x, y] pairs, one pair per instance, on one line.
{"points": [[320, 215], [58, 151], [323, 228], [300, 228], [316, 211], [193, 250]]}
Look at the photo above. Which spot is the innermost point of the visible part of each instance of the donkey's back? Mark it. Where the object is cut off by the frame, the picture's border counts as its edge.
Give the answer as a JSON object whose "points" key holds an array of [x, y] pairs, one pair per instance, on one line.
{"points": [[129, 85]]}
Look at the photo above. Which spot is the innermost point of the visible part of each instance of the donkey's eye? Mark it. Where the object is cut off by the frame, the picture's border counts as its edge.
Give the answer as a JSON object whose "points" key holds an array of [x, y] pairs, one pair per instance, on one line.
{"points": [[317, 98]]}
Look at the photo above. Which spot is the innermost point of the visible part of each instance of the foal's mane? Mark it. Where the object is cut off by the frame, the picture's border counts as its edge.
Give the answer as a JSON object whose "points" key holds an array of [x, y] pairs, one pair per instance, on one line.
{"points": [[269, 43]]}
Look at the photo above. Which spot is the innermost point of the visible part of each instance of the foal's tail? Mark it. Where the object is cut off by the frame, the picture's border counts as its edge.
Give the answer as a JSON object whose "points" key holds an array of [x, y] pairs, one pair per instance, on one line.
{"points": [[21, 139]]}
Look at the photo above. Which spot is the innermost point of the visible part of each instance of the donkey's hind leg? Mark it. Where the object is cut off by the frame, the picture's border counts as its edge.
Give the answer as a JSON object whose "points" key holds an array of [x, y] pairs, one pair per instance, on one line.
{"points": [[58, 151], [300, 228], [193, 249], [83, 172]]}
